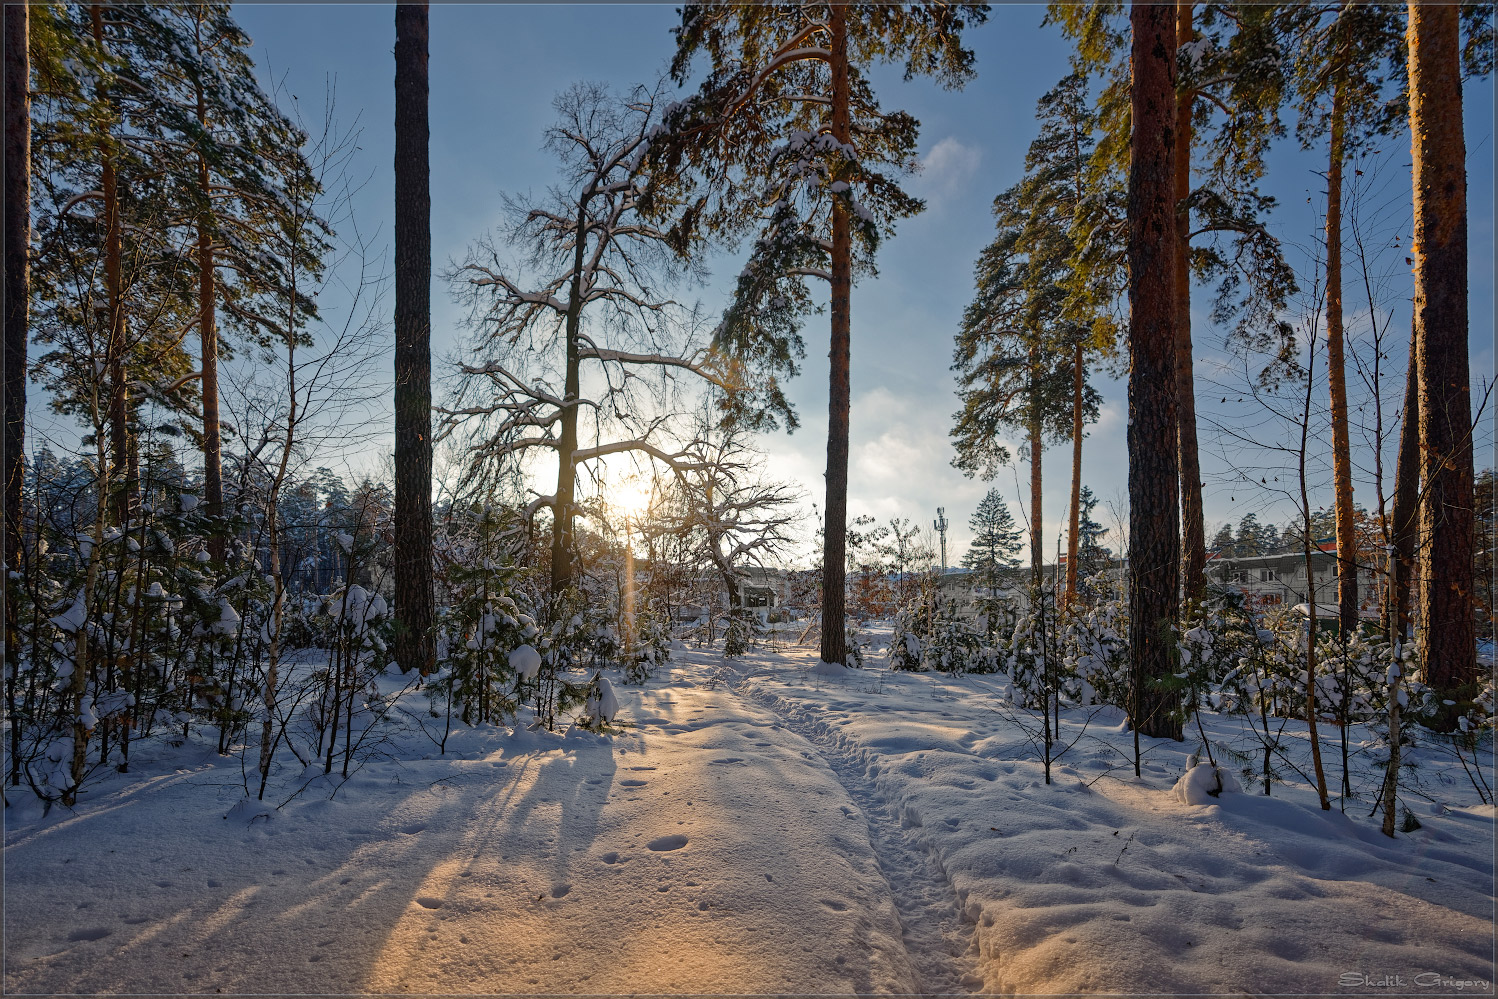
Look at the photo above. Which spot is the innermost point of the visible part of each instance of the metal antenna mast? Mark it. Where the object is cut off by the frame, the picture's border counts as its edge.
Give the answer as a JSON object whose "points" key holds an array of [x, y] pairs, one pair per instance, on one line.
{"points": [[940, 523]]}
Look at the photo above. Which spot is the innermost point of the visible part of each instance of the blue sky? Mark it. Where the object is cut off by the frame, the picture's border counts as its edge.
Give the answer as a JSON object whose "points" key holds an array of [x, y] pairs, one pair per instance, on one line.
{"points": [[495, 69]]}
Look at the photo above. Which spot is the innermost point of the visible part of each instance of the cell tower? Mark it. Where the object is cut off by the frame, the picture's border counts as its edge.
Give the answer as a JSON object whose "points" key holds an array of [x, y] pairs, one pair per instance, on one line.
{"points": [[940, 523]]}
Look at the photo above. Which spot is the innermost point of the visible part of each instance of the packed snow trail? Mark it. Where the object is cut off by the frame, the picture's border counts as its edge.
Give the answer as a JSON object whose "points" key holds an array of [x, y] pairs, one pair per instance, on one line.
{"points": [[698, 852], [1097, 883], [937, 938]]}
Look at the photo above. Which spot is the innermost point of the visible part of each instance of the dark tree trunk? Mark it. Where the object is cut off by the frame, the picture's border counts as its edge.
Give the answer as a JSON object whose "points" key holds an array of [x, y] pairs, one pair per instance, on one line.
{"points": [[1404, 516], [834, 635], [1154, 526], [1336, 374], [17, 297], [1074, 522], [213, 476], [1194, 532], [414, 647], [1037, 496], [563, 502], [1447, 529]]}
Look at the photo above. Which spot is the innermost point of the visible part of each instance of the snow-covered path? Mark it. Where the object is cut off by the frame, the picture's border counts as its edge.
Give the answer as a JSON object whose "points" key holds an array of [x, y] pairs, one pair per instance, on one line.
{"points": [[706, 850], [937, 938]]}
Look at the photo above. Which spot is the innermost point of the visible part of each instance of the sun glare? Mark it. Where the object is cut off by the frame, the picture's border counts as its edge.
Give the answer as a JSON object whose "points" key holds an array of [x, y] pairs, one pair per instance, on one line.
{"points": [[631, 498]]}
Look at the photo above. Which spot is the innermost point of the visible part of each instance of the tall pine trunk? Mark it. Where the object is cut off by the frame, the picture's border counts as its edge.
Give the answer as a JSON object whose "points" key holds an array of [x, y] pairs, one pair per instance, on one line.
{"points": [[1404, 516], [834, 549], [1312, 601], [213, 476], [1033, 431], [414, 612], [1336, 375], [1074, 517], [1447, 529], [1194, 536], [17, 298], [120, 463], [1154, 525]]}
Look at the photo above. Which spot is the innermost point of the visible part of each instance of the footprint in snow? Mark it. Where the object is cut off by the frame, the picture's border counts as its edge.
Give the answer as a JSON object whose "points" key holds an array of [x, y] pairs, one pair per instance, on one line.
{"points": [[413, 828], [560, 890], [612, 857], [729, 759], [92, 933], [428, 902], [663, 843], [633, 783], [834, 905]]}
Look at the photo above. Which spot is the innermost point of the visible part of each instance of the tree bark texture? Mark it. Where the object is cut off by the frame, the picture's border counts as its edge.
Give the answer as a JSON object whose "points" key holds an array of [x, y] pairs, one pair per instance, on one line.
{"points": [[1447, 530], [213, 476], [120, 463], [1154, 472], [17, 292], [1037, 495], [1336, 373], [1074, 520], [1405, 515], [414, 642], [834, 544], [563, 508], [1193, 526]]}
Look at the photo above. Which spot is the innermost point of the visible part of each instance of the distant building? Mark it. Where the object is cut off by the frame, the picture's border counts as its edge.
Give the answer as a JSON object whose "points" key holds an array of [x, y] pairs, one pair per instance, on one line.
{"points": [[1270, 581]]}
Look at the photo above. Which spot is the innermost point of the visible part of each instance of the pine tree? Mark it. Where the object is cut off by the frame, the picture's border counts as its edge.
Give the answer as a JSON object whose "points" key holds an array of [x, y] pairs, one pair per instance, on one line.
{"points": [[1092, 557], [786, 136], [152, 133], [1439, 242], [1017, 350], [1348, 83], [1058, 158], [996, 541], [414, 599], [1154, 518], [1228, 88], [1223, 543], [16, 263]]}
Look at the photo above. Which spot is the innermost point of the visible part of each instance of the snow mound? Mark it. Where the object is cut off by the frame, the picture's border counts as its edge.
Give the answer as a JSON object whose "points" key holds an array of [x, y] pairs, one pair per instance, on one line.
{"points": [[526, 661], [1203, 783], [828, 669]]}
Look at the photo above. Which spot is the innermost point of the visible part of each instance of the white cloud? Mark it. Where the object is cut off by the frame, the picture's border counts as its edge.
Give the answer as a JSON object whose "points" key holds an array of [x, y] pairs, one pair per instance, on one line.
{"points": [[946, 168]]}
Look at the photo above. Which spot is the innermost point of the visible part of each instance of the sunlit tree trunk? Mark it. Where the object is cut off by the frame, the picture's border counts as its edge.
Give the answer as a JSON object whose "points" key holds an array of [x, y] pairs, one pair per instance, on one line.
{"points": [[1074, 521], [1447, 530], [834, 568], [120, 462], [1193, 538], [414, 612], [1154, 525]]}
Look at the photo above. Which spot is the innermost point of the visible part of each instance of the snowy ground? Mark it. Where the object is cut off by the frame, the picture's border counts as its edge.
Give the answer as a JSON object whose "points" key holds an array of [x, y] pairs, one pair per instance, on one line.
{"points": [[758, 828]]}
